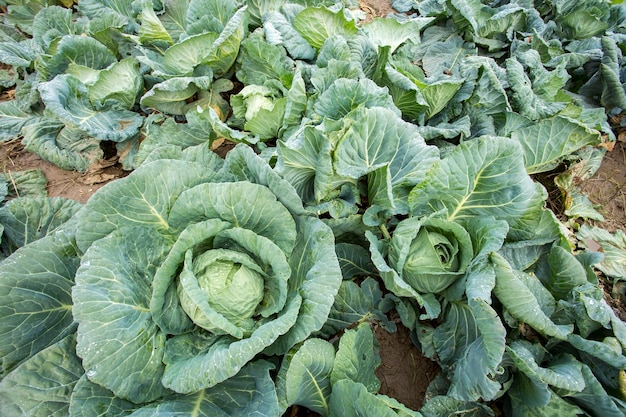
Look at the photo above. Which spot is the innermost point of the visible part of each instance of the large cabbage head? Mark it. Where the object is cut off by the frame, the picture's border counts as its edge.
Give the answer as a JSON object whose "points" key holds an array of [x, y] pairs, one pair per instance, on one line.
{"points": [[191, 270]]}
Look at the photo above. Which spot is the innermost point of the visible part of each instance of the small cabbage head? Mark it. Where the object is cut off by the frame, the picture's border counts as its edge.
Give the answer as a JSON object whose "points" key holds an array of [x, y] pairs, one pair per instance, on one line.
{"points": [[192, 271], [259, 109], [430, 254]]}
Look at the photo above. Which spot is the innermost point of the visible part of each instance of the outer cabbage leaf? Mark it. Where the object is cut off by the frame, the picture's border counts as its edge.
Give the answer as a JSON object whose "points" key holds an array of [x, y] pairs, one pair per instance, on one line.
{"points": [[40, 386], [75, 49], [134, 371], [13, 119], [353, 304], [26, 183], [613, 245], [304, 377], [66, 146], [317, 24], [546, 142], [251, 392], [182, 58], [393, 32], [520, 301], [280, 31], [27, 219], [35, 298], [405, 156], [160, 132], [352, 399], [259, 63], [525, 98], [472, 342], [345, 95], [89, 399], [485, 176], [305, 161], [52, 22], [357, 358]]}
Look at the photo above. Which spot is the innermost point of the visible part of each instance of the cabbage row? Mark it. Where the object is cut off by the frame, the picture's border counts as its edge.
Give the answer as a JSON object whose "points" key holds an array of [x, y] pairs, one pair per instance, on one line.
{"points": [[380, 168]]}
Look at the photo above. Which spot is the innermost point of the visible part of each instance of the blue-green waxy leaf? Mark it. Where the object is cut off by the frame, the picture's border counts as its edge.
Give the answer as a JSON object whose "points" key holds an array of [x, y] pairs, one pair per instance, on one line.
{"points": [[172, 95], [89, 399], [120, 9], [393, 32], [352, 399], [563, 371], [182, 58], [52, 22], [67, 98], [546, 142], [209, 15], [261, 62], [594, 397], [613, 246], [560, 272], [361, 152], [305, 376], [76, 49], [141, 194], [13, 119], [27, 219], [25, 183], [357, 358], [118, 86], [66, 146], [119, 343], [345, 95], [532, 398], [279, 31], [315, 273], [528, 102], [35, 298], [249, 393], [485, 176], [41, 385], [472, 339], [317, 24], [306, 162], [445, 405], [521, 302], [355, 303], [18, 54]]}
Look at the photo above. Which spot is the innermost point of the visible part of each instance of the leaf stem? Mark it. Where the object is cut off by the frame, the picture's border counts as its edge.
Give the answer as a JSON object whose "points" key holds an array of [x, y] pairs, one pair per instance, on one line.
{"points": [[385, 232]]}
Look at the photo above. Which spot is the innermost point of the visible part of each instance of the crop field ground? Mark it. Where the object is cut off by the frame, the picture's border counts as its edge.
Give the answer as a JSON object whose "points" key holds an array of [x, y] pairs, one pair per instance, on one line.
{"points": [[405, 373]]}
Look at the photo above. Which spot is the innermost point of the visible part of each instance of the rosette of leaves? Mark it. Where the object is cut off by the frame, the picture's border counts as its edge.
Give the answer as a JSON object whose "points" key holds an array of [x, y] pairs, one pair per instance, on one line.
{"points": [[191, 272]]}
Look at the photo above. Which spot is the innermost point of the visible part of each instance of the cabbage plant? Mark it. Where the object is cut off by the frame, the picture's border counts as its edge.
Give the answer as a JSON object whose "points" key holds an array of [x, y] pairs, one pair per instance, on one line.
{"points": [[181, 276]]}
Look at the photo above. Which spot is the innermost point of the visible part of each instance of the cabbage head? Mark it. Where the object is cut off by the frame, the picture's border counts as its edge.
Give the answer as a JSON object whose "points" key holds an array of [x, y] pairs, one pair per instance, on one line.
{"points": [[192, 270], [431, 254]]}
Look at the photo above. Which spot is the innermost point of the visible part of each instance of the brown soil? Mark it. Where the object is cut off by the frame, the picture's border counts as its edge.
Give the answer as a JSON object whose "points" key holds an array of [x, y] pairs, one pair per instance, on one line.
{"points": [[405, 372], [607, 188]]}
